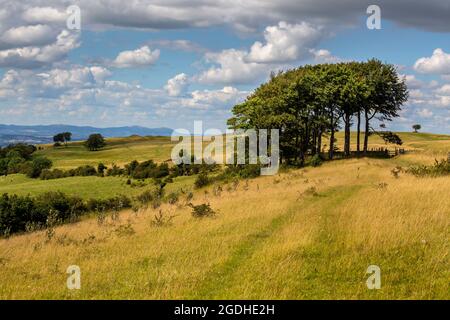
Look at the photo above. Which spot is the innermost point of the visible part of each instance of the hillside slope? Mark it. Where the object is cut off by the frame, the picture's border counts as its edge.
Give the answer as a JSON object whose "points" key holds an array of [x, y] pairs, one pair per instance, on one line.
{"points": [[303, 234]]}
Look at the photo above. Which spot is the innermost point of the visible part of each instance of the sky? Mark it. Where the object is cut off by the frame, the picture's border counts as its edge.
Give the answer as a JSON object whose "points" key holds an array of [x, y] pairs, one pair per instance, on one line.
{"points": [[167, 63]]}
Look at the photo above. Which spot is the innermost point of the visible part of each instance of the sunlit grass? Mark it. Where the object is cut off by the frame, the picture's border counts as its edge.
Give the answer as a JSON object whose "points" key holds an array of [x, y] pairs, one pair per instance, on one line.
{"points": [[271, 239]]}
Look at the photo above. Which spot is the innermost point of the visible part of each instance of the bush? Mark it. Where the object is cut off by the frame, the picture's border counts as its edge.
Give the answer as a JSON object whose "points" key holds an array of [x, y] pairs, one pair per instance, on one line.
{"points": [[101, 169], [202, 180], [37, 165], [16, 212], [52, 174], [172, 198], [115, 171], [202, 210], [246, 171], [145, 197], [316, 160], [440, 168], [116, 203], [82, 171]]}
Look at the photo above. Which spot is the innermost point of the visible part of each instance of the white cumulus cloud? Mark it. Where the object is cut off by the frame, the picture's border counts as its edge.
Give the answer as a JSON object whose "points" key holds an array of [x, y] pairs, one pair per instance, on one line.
{"points": [[438, 63], [177, 85], [136, 58]]}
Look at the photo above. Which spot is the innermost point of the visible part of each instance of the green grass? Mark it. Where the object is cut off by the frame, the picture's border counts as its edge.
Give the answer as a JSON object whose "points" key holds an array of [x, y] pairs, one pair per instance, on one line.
{"points": [[118, 150], [84, 187]]}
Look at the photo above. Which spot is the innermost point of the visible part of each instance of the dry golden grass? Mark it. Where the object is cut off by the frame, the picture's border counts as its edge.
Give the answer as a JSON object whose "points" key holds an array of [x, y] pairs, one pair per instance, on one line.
{"points": [[272, 239], [302, 234]]}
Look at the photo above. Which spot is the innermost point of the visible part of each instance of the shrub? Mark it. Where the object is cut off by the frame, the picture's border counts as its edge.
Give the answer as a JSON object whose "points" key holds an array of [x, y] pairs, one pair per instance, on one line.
{"points": [[172, 198], [101, 169], [19, 213], [160, 219], [316, 160], [202, 180], [440, 168], [115, 171], [202, 210], [37, 165], [85, 171], [145, 197], [52, 174]]}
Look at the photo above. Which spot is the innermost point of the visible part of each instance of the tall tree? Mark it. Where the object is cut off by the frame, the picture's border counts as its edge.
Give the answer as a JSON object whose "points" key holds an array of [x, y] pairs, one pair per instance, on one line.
{"points": [[387, 93]]}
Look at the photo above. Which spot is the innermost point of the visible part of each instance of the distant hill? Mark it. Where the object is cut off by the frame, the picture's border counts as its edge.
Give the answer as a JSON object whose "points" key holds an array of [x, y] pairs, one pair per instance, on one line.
{"points": [[44, 133]]}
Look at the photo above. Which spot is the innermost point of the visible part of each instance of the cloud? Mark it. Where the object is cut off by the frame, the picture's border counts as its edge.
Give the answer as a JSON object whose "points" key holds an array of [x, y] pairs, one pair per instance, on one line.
{"points": [[34, 35], [44, 15], [425, 113], [285, 42], [249, 16], [285, 45], [179, 45], [438, 63], [136, 58], [324, 56], [444, 90], [84, 94], [177, 85], [33, 56], [412, 82], [233, 68]]}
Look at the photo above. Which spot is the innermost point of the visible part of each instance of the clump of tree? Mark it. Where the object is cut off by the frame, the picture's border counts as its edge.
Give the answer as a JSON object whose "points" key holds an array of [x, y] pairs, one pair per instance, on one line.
{"points": [[95, 142], [20, 158], [313, 102], [416, 128], [63, 137], [26, 213]]}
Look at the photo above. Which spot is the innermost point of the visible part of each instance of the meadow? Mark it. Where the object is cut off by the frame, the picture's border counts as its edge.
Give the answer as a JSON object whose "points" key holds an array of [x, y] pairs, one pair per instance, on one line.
{"points": [[305, 233]]}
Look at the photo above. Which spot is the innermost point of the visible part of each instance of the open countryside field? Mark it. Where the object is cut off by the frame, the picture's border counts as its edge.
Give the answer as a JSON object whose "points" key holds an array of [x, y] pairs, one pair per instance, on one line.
{"points": [[118, 151], [304, 234], [424, 149]]}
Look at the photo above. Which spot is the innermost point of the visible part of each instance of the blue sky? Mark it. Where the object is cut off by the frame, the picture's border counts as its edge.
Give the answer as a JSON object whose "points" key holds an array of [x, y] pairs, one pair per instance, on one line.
{"points": [[168, 63]]}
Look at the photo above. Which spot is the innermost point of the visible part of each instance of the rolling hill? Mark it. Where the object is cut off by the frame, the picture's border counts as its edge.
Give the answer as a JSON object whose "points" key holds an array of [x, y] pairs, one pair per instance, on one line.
{"points": [[307, 233], [44, 133]]}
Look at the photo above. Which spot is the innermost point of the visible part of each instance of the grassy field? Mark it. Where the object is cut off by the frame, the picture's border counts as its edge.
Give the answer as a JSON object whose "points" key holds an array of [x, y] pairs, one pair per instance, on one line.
{"points": [[118, 150], [84, 187], [303, 234]]}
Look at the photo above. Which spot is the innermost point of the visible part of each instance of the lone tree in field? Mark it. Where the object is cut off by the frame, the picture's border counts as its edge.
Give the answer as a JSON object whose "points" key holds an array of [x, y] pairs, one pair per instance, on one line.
{"points": [[95, 142], [416, 127]]}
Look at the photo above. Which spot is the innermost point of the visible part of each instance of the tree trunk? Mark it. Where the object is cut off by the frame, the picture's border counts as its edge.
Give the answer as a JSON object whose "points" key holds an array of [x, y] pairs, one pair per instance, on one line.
{"points": [[358, 138], [319, 141], [366, 132], [347, 135], [331, 151]]}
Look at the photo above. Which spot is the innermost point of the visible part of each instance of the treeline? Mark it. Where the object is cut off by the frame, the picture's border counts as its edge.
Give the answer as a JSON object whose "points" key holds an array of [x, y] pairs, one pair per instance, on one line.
{"points": [[19, 158], [311, 102], [134, 170], [26, 213]]}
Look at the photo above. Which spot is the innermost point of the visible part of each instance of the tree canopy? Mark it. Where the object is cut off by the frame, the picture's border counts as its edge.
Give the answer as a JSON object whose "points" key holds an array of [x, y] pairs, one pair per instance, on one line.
{"points": [[62, 137], [310, 102], [95, 142]]}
